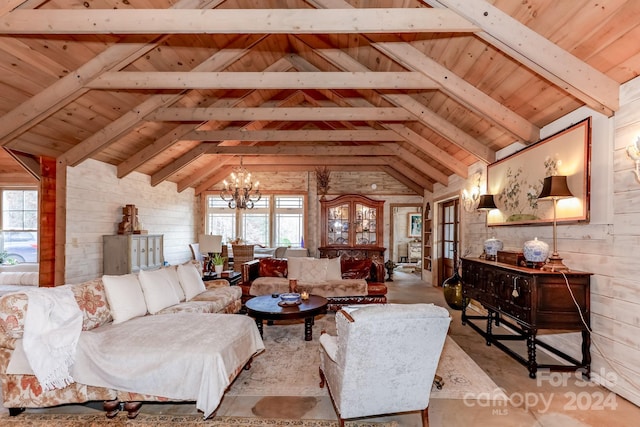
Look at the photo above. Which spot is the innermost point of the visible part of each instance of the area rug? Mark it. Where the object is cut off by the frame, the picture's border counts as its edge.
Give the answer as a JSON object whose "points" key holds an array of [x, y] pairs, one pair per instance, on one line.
{"points": [[145, 420], [289, 367]]}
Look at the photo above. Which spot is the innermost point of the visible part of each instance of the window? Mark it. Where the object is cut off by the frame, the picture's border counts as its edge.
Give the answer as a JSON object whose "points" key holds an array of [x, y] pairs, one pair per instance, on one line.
{"points": [[289, 221], [20, 225], [275, 220]]}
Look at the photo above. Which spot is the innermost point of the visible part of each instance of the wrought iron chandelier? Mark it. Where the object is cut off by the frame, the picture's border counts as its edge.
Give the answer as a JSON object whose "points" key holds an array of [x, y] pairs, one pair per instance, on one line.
{"points": [[240, 193]]}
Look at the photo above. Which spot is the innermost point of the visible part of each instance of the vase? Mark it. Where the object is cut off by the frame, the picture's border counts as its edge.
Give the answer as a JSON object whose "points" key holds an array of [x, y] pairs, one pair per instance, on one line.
{"points": [[536, 250], [491, 247], [218, 268], [452, 290]]}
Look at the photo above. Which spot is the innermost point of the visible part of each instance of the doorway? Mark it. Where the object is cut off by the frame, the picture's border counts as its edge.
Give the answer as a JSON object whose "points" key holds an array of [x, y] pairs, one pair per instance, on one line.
{"points": [[449, 214], [400, 237]]}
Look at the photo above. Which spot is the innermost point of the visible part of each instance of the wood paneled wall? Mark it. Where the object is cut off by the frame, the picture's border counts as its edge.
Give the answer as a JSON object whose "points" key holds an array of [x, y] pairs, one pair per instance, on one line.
{"points": [[95, 197], [606, 246]]}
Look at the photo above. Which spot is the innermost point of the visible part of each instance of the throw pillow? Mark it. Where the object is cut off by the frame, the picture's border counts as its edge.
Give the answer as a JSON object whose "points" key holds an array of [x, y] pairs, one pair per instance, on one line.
{"points": [[175, 282], [125, 297], [273, 267], [314, 270], [157, 289], [294, 266], [334, 271], [353, 268], [190, 280]]}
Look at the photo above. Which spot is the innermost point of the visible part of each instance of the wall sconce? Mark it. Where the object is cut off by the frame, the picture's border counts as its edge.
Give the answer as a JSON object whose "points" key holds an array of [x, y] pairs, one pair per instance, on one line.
{"points": [[470, 198], [633, 151]]}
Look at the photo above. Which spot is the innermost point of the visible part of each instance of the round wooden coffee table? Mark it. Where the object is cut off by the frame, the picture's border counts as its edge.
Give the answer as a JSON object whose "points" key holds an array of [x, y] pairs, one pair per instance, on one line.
{"points": [[266, 307]]}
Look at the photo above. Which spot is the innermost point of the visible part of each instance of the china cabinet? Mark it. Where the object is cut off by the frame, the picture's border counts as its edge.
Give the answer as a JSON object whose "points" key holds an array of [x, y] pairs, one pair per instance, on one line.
{"points": [[352, 224]]}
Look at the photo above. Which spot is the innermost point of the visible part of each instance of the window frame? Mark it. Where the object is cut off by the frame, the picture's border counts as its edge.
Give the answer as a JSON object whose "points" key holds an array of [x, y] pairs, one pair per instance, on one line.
{"points": [[36, 230], [271, 215]]}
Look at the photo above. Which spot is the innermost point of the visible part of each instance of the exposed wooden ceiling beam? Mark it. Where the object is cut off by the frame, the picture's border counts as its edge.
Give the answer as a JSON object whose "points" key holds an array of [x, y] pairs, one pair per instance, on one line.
{"points": [[217, 161], [71, 86], [569, 73], [178, 133], [305, 150], [448, 82], [20, 4], [260, 80], [420, 165], [233, 21], [410, 173], [275, 114], [432, 150], [294, 135], [399, 176], [110, 133]]}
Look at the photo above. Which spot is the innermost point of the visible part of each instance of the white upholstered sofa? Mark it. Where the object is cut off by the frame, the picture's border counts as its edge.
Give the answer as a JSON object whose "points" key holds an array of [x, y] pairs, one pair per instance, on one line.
{"points": [[159, 335]]}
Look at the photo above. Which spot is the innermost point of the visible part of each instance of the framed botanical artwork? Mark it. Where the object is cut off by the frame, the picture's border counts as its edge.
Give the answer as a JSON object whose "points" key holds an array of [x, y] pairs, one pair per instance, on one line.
{"points": [[516, 180], [414, 224]]}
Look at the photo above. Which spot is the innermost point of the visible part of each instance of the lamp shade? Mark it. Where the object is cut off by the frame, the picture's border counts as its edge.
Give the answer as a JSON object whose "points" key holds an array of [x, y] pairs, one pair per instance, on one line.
{"points": [[486, 203], [210, 243], [555, 187]]}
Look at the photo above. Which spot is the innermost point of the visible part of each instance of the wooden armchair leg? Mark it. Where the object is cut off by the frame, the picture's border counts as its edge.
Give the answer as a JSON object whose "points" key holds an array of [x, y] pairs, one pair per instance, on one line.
{"points": [[425, 417]]}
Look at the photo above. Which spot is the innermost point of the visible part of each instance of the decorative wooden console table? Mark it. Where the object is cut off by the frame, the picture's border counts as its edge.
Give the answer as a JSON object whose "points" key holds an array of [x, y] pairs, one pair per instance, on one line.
{"points": [[534, 300]]}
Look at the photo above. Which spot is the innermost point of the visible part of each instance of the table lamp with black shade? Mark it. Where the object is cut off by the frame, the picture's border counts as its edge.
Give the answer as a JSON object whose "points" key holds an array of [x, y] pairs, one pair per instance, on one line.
{"points": [[554, 188], [210, 244]]}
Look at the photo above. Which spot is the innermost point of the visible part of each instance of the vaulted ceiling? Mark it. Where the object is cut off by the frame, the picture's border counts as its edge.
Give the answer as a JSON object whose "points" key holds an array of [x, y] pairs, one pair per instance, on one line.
{"points": [[181, 90]]}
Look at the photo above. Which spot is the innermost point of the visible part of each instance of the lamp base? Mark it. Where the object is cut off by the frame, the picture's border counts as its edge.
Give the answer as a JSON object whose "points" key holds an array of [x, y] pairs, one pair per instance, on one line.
{"points": [[554, 264]]}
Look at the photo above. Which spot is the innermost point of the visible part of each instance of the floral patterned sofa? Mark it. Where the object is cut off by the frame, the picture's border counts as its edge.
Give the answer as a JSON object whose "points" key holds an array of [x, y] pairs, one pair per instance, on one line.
{"points": [[343, 281], [22, 390]]}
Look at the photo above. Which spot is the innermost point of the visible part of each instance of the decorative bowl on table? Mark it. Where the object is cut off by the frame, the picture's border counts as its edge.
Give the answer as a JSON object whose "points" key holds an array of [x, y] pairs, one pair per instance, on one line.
{"points": [[290, 298]]}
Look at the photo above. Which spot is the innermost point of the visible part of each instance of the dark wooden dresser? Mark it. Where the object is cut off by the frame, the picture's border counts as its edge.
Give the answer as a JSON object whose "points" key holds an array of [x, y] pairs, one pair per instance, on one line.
{"points": [[528, 300]]}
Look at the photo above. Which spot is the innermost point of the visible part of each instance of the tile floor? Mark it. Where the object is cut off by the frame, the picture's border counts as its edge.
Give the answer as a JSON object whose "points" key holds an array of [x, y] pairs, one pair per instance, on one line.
{"points": [[539, 403]]}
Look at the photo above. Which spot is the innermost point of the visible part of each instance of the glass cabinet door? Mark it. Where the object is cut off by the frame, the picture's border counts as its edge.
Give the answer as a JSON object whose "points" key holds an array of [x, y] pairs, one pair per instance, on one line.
{"points": [[338, 225], [365, 224]]}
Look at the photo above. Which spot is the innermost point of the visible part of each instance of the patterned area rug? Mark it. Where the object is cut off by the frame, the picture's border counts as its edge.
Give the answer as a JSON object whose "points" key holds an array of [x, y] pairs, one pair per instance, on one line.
{"points": [[289, 367], [144, 420]]}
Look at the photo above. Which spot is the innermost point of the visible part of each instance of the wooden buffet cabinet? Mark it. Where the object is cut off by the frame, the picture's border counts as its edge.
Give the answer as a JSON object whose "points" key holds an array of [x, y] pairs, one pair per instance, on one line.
{"points": [[352, 224], [528, 300]]}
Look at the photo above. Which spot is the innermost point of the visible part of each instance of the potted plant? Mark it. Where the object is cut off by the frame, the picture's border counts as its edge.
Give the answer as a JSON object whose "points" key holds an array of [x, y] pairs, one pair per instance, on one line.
{"points": [[218, 263]]}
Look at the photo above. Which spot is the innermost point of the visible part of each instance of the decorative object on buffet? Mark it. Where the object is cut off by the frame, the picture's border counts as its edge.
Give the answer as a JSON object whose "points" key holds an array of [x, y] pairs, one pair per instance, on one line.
{"points": [[240, 192], [633, 151], [486, 203], [535, 252], [554, 188], [130, 223], [211, 244], [491, 248]]}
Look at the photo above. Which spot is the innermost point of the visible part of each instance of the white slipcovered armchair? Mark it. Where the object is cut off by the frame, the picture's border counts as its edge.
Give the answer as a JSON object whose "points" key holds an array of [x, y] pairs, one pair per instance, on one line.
{"points": [[383, 359]]}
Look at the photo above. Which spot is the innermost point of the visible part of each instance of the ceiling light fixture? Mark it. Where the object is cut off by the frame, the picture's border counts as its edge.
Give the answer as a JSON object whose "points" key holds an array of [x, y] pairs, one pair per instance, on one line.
{"points": [[240, 192]]}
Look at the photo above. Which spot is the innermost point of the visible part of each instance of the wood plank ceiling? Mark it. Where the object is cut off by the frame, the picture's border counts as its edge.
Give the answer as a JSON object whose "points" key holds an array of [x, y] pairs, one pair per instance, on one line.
{"points": [[421, 89]]}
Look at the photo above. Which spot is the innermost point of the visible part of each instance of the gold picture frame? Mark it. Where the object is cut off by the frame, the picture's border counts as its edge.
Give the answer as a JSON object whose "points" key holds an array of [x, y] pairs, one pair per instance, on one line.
{"points": [[516, 180], [414, 224]]}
